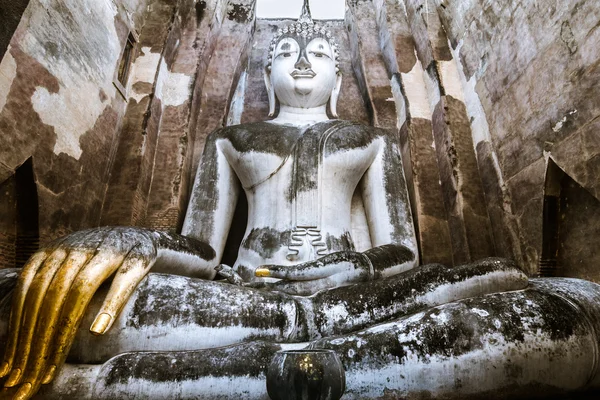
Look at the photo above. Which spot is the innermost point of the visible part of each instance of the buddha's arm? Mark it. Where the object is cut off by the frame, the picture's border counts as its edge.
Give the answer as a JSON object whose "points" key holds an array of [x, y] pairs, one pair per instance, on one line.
{"points": [[209, 215], [391, 228], [387, 207]]}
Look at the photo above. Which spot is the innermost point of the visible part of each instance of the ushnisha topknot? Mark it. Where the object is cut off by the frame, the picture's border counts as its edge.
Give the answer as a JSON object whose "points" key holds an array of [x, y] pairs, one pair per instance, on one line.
{"points": [[306, 28]]}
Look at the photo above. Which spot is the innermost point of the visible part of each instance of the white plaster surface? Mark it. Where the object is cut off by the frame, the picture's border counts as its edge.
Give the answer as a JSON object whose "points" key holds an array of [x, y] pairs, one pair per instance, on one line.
{"points": [[360, 226], [172, 88], [399, 102], [144, 70], [479, 124], [75, 108], [451, 79], [209, 387], [415, 88], [477, 371], [236, 109], [8, 72]]}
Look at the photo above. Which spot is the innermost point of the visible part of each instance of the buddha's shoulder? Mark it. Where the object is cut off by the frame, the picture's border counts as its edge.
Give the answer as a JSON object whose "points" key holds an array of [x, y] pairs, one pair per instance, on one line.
{"points": [[263, 137], [357, 128], [269, 137], [351, 135], [245, 130]]}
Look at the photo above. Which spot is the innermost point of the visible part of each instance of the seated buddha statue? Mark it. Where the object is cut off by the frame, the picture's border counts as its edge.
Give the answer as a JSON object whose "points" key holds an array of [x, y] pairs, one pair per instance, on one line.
{"points": [[163, 326]]}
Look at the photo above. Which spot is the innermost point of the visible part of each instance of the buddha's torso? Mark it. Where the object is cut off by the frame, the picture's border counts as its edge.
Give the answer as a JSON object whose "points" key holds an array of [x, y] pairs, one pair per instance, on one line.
{"points": [[299, 183]]}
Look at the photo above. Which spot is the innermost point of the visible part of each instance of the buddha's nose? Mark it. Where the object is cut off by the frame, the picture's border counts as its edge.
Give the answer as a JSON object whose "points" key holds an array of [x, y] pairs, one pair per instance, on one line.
{"points": [[303, 64]]}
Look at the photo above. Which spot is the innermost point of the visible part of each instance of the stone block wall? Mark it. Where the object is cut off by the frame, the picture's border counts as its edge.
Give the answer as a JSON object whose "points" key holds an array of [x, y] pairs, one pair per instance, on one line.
{"points": [[532, 76]]}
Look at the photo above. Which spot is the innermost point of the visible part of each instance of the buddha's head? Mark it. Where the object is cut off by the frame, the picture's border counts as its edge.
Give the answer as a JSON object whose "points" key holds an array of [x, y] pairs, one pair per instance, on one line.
{"points": [[303, 70]]}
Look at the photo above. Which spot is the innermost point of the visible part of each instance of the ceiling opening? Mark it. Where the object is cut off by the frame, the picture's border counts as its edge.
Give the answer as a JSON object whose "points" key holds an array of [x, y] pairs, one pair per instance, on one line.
{"points": [[272, 9]]}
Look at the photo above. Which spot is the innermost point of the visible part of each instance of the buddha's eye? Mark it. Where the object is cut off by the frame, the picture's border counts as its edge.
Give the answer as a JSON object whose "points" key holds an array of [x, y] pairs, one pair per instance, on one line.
{"points": [[285, 54], [318, 54]]}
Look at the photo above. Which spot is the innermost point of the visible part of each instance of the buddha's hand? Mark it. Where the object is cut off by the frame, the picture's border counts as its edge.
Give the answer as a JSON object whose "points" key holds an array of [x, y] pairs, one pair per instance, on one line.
{"points": [[56, 286], [339, 269], [333, 270]]}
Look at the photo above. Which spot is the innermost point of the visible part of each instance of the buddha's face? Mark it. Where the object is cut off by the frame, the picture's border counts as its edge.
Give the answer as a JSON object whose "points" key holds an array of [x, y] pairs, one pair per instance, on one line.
{"points": [[303, 72]]}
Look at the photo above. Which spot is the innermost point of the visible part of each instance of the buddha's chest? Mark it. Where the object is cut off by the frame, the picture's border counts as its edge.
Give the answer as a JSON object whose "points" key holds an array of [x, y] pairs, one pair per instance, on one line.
{"points": [[303, 162]]}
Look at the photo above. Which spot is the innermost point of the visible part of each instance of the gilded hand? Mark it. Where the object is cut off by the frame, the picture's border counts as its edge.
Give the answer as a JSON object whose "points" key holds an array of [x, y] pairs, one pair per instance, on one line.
{"points": [[54, 290]]}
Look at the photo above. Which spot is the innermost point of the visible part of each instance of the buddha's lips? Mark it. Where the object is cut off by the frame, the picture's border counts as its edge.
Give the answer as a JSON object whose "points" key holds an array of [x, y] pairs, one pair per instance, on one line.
{"points": [[304, 74]]}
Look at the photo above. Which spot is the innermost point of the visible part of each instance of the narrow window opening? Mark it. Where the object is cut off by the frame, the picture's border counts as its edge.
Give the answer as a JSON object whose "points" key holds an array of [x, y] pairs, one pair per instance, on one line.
{"points": [[125, 64], [127, 57]]}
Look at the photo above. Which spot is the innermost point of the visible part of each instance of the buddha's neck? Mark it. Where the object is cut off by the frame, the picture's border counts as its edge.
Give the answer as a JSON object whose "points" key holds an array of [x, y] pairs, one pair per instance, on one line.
{"points": [[301, 116]]}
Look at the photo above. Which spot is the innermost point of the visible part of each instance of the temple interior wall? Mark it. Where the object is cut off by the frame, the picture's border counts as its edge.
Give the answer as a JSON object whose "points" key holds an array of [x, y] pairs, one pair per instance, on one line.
{"points": [[481, 95], [534, 69]]}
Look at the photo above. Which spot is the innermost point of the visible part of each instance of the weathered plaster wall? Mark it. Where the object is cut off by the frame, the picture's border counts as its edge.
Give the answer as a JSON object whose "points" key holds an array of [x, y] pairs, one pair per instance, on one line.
{"points": [[532, 75], [127, 194], [58, 104]]}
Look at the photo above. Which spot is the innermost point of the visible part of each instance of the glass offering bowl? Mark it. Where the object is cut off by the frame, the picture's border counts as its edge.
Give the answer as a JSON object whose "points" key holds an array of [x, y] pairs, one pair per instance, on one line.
{"points": [[306, 375]]}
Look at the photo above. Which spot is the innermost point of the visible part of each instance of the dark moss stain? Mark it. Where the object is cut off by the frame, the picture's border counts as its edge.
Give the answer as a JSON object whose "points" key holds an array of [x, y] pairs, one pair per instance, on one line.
{"points": [[204, 201], [398, 203], [319, 140], [384, 257], [209, 305], [52, 49], [463, 329], [342, 243], [381, 300], [458, 337], [239, 13], [266, 241], [351, 137], [432, 71], [185, 245], [262, 137], [249, 360], [200, 10]]}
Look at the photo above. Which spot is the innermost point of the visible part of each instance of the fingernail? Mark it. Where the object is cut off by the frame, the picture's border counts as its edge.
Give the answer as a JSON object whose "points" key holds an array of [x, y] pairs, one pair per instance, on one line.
{"points": [[101, 324], [5, 369], [49, 375], [23, 392], [14, 378], [262, 273]]}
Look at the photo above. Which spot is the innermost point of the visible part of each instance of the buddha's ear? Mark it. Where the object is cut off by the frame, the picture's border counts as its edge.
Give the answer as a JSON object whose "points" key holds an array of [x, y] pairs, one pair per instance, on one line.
{"points": [[270, 91], [335, 94]]}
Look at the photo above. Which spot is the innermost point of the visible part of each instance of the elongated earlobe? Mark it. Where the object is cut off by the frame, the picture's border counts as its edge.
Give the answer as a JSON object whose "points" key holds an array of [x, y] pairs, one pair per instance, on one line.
{"points": [[270, 92], [335, 94]]}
